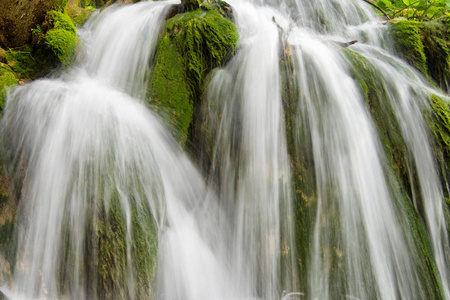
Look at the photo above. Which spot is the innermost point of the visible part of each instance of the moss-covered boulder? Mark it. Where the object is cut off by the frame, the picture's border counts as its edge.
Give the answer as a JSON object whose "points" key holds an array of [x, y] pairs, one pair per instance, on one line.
{"points": [[123, 256], [434, 37], [192, 45], [426, 46], [406, 35], [57, 34], [79, 15]]}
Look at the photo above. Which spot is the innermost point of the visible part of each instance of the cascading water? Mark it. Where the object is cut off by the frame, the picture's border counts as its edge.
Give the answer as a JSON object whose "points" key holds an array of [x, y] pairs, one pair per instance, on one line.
{"points": [[251, 156], [107, 188], [98, 166]]}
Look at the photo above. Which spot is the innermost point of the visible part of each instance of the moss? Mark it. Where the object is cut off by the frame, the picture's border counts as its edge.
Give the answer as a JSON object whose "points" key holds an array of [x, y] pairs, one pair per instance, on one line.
{"points": [[170, 92], [63, 43], [60, 5], [79, 15], [57, 36], [22, 62], [408, 43], [204, 39], [115, 256], [7, 78], [440, 124], [434, 36], [192, 45], [383, 115]]}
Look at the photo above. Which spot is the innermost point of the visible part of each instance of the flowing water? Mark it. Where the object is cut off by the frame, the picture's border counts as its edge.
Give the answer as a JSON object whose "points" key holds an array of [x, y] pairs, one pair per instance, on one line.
{"points": [[303, 203]]}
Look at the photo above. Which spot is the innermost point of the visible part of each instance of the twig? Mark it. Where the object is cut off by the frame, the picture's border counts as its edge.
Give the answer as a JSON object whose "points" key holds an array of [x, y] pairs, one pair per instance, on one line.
{"points": [[377, 7]]}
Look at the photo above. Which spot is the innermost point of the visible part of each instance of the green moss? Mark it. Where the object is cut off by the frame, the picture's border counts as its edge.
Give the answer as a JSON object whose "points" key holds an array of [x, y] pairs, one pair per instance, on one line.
{"points": [[441, 123], [170, 92], [63, 43], [434, 37], [204, 39], [192, 45], [61, 20], [383, 114], [79, 15], [7, 78], [115, 251], [408, 43], [60, 5], [57, 35]]}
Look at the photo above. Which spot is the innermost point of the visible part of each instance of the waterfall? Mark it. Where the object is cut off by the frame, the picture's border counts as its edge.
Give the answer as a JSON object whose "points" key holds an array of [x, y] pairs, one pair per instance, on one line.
{"points": [[321, 181], [251, 155], [106, 186]]}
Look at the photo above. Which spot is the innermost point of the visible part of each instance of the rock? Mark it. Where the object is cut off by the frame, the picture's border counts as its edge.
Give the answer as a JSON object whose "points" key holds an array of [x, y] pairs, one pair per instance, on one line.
{"points": [[18, 17]]}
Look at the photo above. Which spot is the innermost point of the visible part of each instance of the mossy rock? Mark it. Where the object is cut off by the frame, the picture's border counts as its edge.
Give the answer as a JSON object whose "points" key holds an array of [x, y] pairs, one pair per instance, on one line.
{"points": [[434, 36], [61, 38], [170, 92], [7, 79], [110, 240], [205, 39], [426, 46], [383, 114], [441, 124], [408, 43], [192, 45], [79, 15]]}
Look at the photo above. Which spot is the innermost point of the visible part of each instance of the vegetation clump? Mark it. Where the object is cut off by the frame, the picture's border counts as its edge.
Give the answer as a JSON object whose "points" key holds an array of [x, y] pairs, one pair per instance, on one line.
{"points": [[419, 10], [57, 34]]}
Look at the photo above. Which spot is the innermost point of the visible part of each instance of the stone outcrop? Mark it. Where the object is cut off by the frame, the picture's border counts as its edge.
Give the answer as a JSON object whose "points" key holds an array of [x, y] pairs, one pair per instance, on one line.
{"points": [[18, 17]]}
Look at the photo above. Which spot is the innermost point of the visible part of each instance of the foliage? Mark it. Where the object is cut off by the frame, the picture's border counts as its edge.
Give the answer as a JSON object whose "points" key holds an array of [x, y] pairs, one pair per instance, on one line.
{"points": [[419, 10]]}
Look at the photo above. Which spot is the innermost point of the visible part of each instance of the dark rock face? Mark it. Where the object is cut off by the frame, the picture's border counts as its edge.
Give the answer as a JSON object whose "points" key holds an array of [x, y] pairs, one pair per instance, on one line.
{"points": [[18, 17]]}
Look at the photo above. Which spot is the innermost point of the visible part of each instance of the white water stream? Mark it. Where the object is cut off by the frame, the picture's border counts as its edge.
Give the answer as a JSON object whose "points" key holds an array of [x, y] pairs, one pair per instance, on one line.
{"points": [[87, 140]]}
